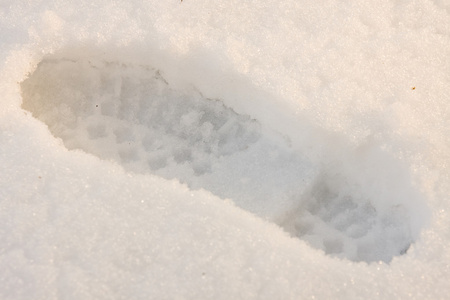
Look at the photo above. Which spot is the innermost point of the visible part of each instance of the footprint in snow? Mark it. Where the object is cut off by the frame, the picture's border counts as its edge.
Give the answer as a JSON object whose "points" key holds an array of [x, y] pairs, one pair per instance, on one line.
{"points": [[131, 115]]}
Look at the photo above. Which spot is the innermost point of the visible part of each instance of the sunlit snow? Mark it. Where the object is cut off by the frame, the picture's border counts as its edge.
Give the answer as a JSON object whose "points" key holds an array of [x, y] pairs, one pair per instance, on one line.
{"points": [[232, 150]]}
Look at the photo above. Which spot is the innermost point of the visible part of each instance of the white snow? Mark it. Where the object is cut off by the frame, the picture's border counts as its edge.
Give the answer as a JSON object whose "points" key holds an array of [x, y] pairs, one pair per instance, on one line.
{"points": [[232, 150]]}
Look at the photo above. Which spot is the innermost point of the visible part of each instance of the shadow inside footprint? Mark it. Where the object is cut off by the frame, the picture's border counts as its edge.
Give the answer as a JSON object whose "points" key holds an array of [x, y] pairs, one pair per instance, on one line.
{"points": [[130, 114]]}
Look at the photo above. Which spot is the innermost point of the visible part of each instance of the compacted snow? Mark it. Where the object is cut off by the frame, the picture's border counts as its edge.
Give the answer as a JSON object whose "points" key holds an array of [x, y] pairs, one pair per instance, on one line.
{"points": [[231, 150]]}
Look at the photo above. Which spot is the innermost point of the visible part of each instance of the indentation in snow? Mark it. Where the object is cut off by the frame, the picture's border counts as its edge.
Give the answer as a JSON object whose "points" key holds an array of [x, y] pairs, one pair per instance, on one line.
{"points": [[130, 114]]}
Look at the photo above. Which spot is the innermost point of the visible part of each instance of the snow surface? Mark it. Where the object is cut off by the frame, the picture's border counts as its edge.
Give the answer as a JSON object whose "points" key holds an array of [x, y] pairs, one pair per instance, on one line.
{"points": [[232, 150]]}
